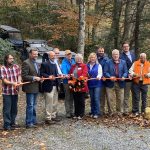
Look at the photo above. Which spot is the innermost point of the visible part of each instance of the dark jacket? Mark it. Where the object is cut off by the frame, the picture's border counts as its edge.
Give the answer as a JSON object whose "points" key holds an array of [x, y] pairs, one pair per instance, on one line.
{"points": [[28, 72], [109, 71], [47, 69], [102, 60], [127, 60]]}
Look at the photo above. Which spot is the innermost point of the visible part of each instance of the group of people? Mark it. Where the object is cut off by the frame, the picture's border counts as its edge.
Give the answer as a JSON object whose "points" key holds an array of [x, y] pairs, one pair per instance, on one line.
{"points": [[107, 80]]}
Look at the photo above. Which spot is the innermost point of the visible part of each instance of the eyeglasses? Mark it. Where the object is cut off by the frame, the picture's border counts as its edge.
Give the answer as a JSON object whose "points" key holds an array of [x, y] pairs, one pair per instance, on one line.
{"points": [[57, 53]]}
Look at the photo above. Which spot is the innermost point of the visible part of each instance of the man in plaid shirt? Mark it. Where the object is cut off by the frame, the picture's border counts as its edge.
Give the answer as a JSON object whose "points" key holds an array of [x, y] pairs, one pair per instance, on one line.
{"points": [[11, 75]]}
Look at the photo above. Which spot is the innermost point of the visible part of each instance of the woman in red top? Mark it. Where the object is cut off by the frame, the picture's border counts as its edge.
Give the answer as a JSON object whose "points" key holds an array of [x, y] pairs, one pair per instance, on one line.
{"points": [[79, 70]]}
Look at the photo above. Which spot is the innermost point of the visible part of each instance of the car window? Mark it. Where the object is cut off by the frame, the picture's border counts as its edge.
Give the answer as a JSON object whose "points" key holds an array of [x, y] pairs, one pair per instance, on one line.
{"points": [[15, 35]]}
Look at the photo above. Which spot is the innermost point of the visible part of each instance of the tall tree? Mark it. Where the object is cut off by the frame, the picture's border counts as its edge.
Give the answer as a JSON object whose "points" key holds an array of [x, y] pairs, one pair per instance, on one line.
{"points": [[113, 38], [140, 7], [128, 20], [81, 34]]}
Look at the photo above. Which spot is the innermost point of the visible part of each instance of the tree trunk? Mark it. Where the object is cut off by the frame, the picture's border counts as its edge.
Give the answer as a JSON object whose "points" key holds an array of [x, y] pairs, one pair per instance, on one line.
{"points": [[81, 34], [140, 7], [113, 38], [128, 21]]}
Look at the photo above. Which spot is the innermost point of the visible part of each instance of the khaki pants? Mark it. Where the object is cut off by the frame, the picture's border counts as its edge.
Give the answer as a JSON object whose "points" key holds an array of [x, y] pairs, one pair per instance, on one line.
{"points": [[51, 102], [103, 99], [119, 93], [68, 101], [127, 90]]}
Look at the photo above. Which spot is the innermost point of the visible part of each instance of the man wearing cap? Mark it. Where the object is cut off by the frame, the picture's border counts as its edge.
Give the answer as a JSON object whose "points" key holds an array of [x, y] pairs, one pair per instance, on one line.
{"points": [[67, 62]]}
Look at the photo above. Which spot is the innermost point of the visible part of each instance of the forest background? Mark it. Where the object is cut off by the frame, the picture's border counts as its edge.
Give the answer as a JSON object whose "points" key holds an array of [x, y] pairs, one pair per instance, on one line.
{"points": [[107, 22]]}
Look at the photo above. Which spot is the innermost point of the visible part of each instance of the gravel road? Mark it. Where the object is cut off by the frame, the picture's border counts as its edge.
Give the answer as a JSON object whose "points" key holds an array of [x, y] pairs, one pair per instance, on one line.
{"points": [[71, 134]]}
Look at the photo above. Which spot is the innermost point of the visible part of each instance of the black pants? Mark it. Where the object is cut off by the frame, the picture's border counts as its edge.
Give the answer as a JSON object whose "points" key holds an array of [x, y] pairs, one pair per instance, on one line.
{"points": [[79, 103], [139, 91], [9, 109]]}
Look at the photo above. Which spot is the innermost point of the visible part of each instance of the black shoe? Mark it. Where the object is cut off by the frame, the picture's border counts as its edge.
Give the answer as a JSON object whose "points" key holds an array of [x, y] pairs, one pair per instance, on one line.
{"points": [[56, 119], [15, 126], [125, 114], [50, 122], [7, 128], [31, 126]]}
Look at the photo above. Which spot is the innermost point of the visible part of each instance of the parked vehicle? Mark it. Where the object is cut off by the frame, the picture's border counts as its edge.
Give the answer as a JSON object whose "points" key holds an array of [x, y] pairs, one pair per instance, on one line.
{"points": [[40, 45], [13, 35]]}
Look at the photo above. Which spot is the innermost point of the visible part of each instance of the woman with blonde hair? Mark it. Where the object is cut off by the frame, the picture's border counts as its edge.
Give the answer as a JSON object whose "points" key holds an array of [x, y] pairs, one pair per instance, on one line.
{"points": [[94, 85]]}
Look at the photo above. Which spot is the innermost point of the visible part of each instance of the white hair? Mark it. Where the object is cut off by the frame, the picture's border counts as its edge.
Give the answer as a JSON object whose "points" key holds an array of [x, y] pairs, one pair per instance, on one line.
{"points": [[79, 56], [115, 51], [143, 55]]}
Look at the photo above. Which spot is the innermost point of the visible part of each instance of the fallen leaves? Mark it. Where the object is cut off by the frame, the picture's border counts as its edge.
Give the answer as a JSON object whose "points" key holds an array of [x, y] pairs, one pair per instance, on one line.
{"points": [[5, 133], [117, 120]]}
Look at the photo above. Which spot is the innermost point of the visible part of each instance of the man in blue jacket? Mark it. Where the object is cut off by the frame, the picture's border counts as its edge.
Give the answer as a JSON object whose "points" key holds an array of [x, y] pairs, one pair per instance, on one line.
{"points": [[113, 69], [102, 58], [129, 58], [65, 68]]}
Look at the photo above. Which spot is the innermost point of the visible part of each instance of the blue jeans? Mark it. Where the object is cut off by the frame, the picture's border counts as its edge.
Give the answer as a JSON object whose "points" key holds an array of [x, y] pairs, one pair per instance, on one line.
{"points": [[95, 100], [9, 109], [31, 100]]}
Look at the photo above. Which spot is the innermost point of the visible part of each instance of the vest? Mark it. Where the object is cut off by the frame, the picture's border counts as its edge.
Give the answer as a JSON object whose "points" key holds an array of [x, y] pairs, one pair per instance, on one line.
{"points": [[137, 70], [93, 74]]}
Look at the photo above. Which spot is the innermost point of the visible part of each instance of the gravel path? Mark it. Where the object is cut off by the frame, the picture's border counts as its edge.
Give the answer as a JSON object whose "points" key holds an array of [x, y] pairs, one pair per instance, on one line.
{"points": [[74, 135]]}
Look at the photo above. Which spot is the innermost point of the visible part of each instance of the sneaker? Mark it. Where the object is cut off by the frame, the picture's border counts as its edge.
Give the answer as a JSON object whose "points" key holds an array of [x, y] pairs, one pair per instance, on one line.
{"points": [[31, 126], [56, 119], [8, 128], [50, 122], [91, 116], [16, 126], [79, 118], [136, 114], [75, 117], [95, 116]]}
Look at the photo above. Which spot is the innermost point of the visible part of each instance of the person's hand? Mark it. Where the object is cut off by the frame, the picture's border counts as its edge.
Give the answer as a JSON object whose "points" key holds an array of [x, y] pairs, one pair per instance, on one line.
{"points": [[146, 76], [61, 76], [103, 78], [66, 76], [122, 79], [130, 77], [136, 75], [113, 78], [98, 78], [37, 78], [15, 84], [51, 77]]}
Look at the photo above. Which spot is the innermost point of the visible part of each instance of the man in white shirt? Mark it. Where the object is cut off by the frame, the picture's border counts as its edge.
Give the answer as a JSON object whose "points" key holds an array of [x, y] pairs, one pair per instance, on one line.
{"points": [[56, 60]]}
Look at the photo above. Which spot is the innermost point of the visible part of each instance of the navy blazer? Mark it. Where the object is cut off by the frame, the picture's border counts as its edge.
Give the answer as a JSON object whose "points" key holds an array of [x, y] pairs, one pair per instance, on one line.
{"points": [[125, 57], [109, 71], [47, 69]]}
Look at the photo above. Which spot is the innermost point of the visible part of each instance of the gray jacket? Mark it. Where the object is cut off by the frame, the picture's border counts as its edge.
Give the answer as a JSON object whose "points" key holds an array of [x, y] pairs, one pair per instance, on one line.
{"points": [[28, 71]]}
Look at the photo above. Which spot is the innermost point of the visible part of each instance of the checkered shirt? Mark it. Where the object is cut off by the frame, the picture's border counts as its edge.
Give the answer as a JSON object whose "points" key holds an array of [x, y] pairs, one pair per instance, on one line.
{"points": [[11, 74]]}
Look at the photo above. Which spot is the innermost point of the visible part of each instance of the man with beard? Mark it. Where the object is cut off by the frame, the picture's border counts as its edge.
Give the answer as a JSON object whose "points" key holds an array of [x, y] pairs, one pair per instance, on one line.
{"points": [[30, 73], [102, 58], [11, 75]]}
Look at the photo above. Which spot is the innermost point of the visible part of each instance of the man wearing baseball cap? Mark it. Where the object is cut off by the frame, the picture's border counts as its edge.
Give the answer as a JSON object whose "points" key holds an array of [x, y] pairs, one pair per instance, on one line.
{"points": [[67, 62]]}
